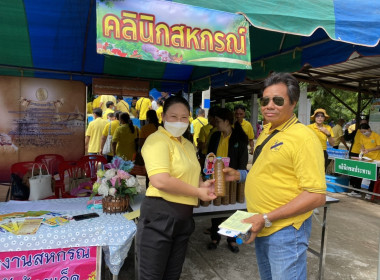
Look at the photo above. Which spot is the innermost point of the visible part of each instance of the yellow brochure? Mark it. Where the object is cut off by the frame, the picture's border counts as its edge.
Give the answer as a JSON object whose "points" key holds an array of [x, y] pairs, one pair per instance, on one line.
{"points": [[234, 221]]}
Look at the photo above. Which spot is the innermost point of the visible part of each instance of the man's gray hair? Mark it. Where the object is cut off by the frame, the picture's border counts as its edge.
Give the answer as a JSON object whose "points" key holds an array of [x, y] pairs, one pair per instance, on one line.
{"points": [[290, 82]]}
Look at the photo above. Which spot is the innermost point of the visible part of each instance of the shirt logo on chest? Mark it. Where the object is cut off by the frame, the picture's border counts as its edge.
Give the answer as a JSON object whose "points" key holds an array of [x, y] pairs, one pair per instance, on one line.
{"points": [[276, 146]]}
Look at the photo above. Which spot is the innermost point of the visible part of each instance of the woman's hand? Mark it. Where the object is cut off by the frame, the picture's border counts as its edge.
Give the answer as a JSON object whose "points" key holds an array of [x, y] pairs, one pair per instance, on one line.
{"points": [[206, 191], [324, 130], [231, 174]]}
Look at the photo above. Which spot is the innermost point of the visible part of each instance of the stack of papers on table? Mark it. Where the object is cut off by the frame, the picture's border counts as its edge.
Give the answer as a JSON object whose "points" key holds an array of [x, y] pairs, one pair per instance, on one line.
{"points": [[234, 226]]}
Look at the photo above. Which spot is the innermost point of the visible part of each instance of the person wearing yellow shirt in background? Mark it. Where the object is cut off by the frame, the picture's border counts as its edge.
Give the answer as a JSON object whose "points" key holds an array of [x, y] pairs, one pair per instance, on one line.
{"points": [[247, 127], [114, 123], [159, 110], [355, 137], [104, 99], [199, 122], [89, 108], [142, 106], [124, 140], [121, 105], [284, 185], [94, 133], [110, 109], [205, 134], [338, 135], [166, 216], [323, 131], [370, 147], [96, 102], [191, 118], [132, 109]]}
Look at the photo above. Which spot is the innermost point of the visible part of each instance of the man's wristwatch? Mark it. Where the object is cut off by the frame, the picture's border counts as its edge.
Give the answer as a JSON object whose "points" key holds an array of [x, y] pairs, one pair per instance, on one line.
{"points": [[328, 136], [268, 223]]}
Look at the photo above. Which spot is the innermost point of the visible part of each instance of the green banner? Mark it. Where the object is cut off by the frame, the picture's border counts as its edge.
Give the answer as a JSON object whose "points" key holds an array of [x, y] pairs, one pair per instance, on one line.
{"points": [[172, 33], [355, 168]]}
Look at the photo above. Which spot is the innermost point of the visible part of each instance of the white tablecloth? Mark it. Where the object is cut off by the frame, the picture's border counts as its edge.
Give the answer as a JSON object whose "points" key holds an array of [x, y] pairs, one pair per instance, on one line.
{"points": [[113, 232]]}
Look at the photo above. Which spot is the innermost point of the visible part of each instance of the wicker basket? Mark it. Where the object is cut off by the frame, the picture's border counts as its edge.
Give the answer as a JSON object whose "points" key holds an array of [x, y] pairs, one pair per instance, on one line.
{"points": [[113, 205]]}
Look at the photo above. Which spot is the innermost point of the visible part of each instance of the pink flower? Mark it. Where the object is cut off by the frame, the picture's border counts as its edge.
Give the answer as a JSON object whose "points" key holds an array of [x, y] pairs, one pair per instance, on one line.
{"points": [[114, 179], [123, 175]]}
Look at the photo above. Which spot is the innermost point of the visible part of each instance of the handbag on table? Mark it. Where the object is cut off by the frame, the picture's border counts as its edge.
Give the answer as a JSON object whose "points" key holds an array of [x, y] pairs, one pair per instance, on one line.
{"points": [[40, 185]]}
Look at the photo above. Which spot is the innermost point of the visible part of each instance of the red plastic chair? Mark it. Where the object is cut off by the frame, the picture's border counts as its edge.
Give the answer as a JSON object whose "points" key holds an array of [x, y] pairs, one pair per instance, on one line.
{"points": [[72, 169], [52, 161], [20, 169], [90, 165]]}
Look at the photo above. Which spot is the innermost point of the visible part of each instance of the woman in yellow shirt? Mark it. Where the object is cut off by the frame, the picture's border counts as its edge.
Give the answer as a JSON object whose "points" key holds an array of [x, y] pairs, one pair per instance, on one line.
{"points": [[370, 147], [166, 221], [323, 131], [124, 141]]}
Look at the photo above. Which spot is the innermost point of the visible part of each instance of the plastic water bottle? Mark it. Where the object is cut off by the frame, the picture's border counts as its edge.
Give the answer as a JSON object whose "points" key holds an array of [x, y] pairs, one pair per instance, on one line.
{"points": [[220, 185], [243, 237]]}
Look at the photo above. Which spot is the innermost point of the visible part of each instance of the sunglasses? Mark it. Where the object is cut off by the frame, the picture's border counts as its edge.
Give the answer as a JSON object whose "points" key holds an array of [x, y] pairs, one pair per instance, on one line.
{"points": [[277, 100]]}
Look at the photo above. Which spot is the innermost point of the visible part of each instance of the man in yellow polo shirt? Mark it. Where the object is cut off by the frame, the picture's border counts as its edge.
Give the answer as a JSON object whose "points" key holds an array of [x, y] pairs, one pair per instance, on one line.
{"points": [[339, 135], [121, 105], [94, 133], [245, 125], [284, 185], [199, 122], [142, 106], [205, 134]]}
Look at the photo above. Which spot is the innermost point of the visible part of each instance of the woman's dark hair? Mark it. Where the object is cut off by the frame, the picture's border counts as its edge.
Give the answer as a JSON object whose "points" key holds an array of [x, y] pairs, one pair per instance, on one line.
{"points": [[174, 100], [225, 115], [152, 117], [364, 126], [127, 120], [117, 114], [238, 133]]}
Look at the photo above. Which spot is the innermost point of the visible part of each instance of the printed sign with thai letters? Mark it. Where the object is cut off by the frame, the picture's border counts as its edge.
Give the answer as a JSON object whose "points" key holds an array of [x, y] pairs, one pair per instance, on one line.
{"points": [[172, 33], [356, 168], [66, 263]]}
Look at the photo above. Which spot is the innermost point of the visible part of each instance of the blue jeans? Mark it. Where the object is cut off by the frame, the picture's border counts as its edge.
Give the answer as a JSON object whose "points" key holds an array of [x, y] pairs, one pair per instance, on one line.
{"points": [[282, 255]]}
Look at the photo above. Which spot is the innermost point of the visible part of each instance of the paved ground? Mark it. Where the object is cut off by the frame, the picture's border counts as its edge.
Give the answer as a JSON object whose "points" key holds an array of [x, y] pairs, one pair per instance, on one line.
{"points": [[352, 247]]}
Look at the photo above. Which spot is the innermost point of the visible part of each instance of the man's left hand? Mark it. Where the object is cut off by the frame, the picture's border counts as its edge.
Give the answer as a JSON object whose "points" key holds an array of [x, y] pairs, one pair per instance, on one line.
{"points": [[257, 222]]}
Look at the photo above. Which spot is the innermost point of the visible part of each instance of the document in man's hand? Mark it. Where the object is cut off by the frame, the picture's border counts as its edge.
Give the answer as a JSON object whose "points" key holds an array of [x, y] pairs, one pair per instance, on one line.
{"points": [[234, 222]]}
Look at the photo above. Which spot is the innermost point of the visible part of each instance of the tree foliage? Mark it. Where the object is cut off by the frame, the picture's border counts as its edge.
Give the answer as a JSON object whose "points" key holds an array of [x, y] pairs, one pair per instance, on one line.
{"points": [[320, 98]]}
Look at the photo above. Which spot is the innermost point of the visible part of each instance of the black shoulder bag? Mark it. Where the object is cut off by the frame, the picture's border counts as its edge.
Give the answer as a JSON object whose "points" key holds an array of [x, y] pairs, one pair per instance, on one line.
{"points": [[260, 147]]}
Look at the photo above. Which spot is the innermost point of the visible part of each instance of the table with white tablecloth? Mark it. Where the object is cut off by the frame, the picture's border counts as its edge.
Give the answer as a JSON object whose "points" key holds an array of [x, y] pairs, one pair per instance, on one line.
{"points": [[113, 232]]}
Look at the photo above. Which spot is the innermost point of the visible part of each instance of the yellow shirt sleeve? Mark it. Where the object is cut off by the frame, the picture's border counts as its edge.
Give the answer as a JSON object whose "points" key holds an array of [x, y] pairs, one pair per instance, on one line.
{"points": [[309, 170], [156, 155], [105, 130]]}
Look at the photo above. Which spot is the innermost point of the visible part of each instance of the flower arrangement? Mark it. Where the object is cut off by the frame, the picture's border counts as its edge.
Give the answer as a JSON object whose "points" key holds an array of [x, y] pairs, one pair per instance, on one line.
{"points": [[115, 181]]}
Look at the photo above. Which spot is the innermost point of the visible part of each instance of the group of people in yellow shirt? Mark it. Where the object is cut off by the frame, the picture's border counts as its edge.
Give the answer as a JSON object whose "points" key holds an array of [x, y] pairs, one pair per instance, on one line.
{"points": [[366, 142]]}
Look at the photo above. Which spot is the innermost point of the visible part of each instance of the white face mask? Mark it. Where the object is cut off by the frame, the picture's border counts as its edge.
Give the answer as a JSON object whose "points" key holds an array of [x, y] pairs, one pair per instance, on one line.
{"points": [[176, 128], [367, 133]]}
